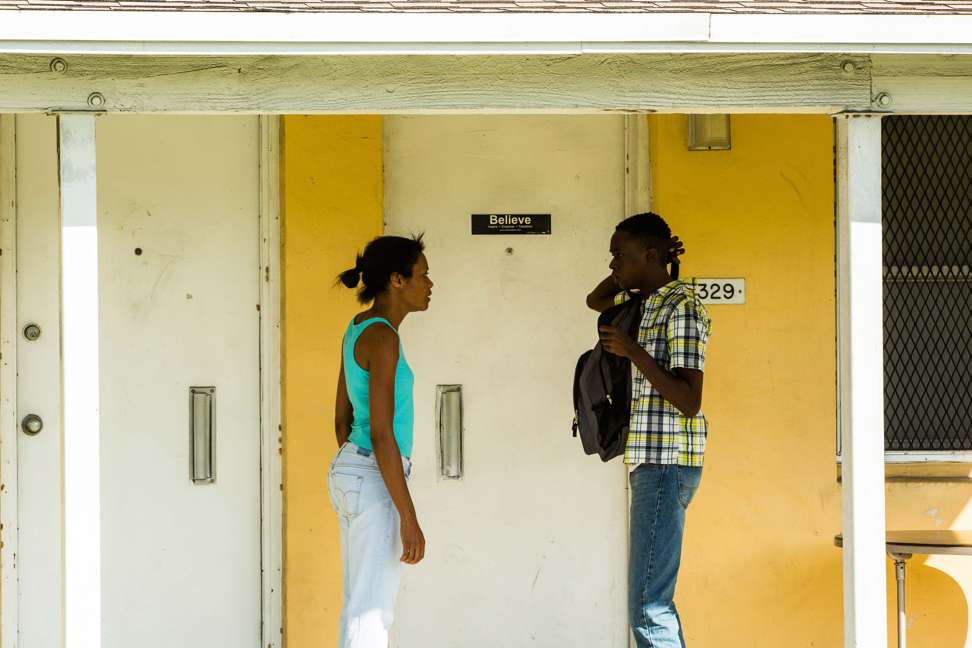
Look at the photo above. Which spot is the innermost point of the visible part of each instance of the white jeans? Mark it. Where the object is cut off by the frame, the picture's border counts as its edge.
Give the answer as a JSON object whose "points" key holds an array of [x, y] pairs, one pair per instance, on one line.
{"points": [[371, 546]]}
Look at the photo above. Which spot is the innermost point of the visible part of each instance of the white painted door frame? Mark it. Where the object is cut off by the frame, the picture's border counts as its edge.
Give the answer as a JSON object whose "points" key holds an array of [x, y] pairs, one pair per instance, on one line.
{"points": [[9, 430], [270, 325], [80, 372], [861, 378], [271, 460], [637, 199]]}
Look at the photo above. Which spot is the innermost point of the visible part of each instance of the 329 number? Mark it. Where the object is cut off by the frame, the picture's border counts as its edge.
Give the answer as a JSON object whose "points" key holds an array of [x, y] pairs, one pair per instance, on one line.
{"points": [[721, 291], [716, 291]]}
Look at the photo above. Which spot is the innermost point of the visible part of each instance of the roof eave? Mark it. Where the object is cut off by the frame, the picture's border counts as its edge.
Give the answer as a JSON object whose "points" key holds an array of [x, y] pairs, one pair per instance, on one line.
{"points": [[222, 34]]}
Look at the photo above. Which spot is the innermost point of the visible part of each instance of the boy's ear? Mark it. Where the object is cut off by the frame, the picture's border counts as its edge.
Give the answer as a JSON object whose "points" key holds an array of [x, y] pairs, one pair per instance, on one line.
{"points": [[396, 280]]}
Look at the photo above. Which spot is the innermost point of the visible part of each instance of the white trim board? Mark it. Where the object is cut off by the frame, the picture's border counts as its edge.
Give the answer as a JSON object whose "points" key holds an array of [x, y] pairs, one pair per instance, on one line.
{"points": [[9, 429], [258, 33], [271, 464]]}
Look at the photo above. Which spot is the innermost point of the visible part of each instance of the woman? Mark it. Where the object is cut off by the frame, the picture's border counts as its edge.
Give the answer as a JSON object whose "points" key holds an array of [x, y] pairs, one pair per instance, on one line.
{"points": [[373, 423]]}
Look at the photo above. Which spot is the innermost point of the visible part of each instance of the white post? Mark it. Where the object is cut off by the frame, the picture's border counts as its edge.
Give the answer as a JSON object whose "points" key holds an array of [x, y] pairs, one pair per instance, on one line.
{"points": [[80, 362], [862, 385]]}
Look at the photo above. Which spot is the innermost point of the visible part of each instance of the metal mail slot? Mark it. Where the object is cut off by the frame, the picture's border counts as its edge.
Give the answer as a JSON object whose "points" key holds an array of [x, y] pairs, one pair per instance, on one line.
{"points": [[203, 434], [448, 414]]}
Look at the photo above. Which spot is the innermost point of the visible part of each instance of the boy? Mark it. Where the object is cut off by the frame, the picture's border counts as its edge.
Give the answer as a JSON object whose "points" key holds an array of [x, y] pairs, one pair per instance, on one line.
{"points": [[667, 432]]}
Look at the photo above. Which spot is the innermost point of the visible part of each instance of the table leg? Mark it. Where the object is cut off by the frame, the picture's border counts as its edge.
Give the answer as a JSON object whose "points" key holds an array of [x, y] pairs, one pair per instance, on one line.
{"points": [[899, 576]]}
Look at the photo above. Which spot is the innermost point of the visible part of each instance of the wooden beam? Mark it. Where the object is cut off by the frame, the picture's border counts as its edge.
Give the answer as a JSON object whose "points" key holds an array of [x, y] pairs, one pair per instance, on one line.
{"points": [[924, 84], [807, 83]]}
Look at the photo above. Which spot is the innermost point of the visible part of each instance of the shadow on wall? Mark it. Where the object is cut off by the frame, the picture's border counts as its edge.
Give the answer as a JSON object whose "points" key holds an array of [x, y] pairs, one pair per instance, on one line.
{"points": [[937, 611], [938, 587]]}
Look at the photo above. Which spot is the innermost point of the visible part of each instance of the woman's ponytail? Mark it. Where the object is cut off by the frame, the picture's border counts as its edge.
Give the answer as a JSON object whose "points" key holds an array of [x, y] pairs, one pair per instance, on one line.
{"points": [[351, 277]]}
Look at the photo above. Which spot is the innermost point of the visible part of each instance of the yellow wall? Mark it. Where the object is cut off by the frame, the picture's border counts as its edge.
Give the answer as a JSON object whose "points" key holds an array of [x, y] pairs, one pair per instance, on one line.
{"points": [[759, 567], [332, 205]]}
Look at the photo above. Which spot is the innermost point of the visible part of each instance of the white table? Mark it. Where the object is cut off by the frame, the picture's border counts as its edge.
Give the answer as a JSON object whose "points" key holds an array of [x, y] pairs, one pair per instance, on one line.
{"points": [[902, 545]]}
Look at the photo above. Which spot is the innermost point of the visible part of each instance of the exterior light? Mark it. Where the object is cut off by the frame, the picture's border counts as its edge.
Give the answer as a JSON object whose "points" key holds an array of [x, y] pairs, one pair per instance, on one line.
{"points": [[709, 133]]}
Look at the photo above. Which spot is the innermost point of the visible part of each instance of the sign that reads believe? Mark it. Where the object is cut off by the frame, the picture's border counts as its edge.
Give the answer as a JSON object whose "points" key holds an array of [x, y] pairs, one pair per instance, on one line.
{"points": [[511, 223]]}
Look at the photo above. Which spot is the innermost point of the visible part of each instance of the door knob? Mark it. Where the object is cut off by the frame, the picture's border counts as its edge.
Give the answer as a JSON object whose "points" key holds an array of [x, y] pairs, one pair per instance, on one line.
{"points": [[32, 425]]}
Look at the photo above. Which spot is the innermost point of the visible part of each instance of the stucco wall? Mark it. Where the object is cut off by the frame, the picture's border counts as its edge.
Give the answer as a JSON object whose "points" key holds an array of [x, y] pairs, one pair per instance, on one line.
{"points": [[332, 205], [760, 568]]}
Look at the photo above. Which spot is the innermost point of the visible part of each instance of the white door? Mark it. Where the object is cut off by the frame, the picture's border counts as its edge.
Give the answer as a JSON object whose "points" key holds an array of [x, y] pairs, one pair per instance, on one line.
{"points": [[40, 559], [528, 549], [178, 245], [179, 286]]}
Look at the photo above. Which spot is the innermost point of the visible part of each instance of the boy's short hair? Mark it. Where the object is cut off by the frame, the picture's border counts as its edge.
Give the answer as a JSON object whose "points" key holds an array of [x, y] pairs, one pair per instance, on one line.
{"points": [[651, 229]]}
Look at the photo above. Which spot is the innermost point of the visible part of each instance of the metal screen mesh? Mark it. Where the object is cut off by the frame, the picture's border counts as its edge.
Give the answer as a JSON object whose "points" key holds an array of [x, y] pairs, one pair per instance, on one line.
{"points": [[927, 216]]}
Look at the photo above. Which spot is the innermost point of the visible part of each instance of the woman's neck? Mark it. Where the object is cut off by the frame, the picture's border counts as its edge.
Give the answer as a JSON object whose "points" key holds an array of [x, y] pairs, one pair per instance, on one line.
{"points": [[389, 310]]}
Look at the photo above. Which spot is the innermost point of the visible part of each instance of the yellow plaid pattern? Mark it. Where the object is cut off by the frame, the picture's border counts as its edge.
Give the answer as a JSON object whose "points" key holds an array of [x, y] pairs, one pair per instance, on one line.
{"points": [[674, 329]]}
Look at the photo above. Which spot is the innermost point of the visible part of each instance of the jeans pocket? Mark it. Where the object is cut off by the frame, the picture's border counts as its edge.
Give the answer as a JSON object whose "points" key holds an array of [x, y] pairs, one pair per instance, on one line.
{"points": [[688, 483], [345, 491]]}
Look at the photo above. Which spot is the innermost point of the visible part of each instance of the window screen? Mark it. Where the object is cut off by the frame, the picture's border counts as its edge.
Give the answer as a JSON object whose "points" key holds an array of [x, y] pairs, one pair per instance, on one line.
{"points": [[927, 216]]}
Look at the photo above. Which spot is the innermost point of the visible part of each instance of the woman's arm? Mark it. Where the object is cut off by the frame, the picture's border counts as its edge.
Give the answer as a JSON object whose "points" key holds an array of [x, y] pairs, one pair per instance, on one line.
{"points": [[381, 361], [343, 412]]}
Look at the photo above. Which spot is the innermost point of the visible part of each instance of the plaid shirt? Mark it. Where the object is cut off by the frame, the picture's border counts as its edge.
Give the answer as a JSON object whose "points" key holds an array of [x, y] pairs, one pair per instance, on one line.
{"points": [[674, 330]]}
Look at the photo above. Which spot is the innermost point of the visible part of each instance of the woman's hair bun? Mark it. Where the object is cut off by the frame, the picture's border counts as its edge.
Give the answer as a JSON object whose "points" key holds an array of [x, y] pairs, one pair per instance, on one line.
{"points": [[351, 277]]}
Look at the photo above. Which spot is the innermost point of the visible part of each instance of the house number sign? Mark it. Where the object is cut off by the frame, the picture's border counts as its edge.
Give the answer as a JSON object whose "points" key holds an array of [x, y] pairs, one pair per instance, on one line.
{"points": [[720, 291]]}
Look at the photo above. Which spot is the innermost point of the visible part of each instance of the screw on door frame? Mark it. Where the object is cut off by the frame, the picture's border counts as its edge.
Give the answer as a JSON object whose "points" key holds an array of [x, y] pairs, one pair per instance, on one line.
{"points": [[32, 425], [32, 331]]}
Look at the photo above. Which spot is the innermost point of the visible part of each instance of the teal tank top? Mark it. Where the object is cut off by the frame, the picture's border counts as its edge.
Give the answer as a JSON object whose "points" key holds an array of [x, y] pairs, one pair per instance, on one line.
{"points": [[356, 380]]}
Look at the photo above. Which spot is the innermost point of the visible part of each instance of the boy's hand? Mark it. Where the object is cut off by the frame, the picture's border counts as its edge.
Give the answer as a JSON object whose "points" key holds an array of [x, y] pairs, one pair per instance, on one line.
{"points": [[616, 341], [675, 249]]}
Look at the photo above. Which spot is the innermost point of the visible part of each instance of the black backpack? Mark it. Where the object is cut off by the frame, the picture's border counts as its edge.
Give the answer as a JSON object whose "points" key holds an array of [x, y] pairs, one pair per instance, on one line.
{"points": [[602, 387]]}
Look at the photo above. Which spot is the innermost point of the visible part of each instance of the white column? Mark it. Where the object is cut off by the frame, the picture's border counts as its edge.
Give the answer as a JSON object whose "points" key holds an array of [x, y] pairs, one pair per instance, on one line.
{"points": [[80, 376], [862, 380]]}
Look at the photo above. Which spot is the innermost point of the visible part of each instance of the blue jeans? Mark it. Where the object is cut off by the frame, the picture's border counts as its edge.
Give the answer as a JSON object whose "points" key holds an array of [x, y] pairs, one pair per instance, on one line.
{"points": [[660, 494]]}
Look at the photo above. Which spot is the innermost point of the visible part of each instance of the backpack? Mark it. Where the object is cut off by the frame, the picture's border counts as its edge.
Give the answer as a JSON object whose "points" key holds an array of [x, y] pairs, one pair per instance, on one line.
{"points": [[602, 387]]}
